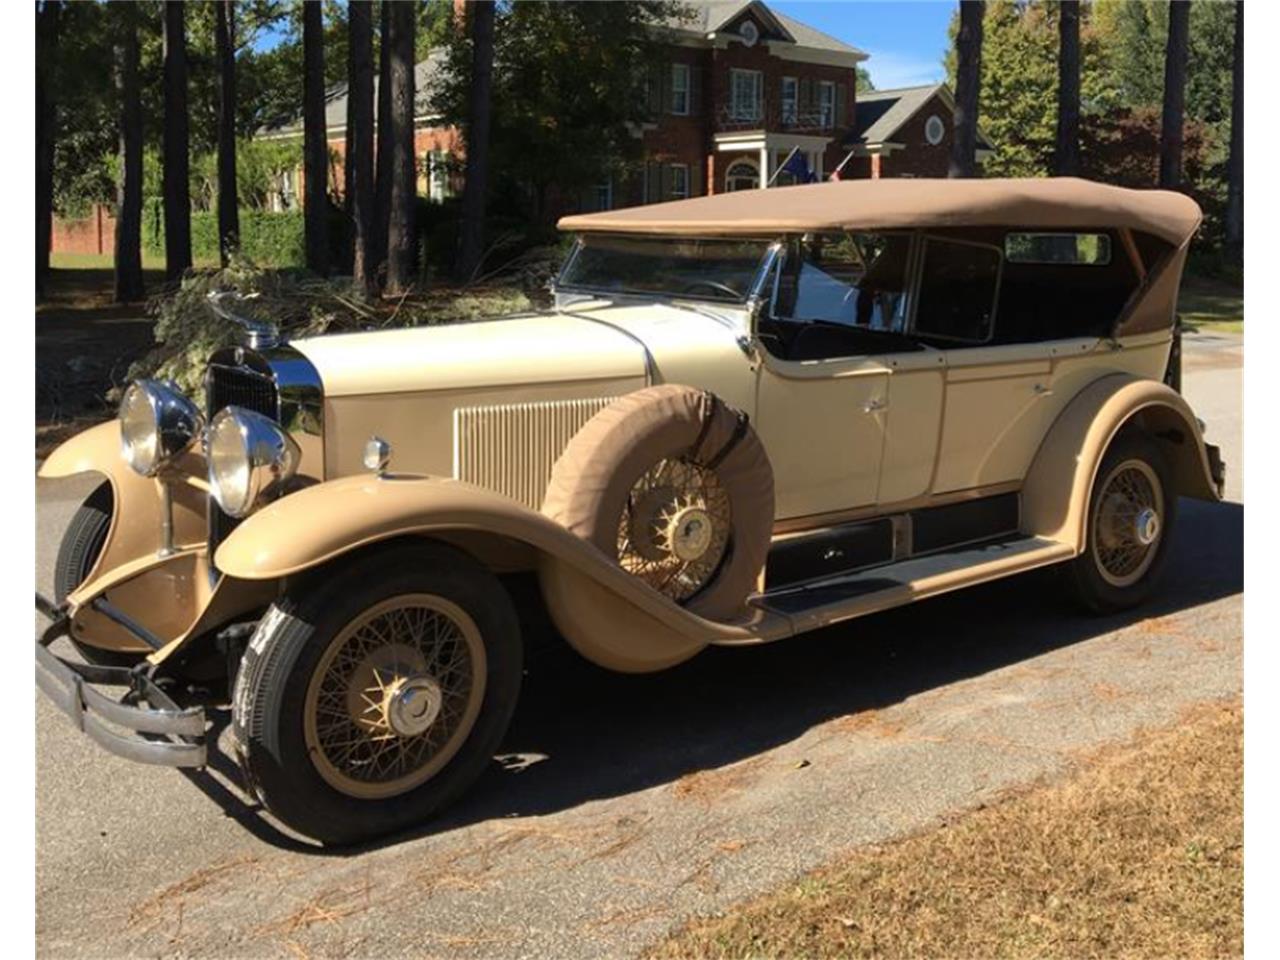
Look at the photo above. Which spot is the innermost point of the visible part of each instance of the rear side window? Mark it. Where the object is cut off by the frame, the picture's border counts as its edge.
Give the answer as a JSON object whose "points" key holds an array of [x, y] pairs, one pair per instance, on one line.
{"points": [[1074, 249], [958, 287]]}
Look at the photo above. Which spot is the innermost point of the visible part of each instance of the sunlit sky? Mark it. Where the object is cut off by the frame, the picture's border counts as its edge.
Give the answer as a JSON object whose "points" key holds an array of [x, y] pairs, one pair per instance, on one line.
{"points": [[905, 38]]}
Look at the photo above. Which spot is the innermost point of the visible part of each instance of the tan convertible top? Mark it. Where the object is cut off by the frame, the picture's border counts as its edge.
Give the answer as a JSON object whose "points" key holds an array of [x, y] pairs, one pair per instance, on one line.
{"points": [[1059, 202]]}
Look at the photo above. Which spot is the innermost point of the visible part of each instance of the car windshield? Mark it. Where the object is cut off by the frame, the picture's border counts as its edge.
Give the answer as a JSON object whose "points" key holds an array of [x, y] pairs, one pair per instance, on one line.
{"points": [[722, 269]]}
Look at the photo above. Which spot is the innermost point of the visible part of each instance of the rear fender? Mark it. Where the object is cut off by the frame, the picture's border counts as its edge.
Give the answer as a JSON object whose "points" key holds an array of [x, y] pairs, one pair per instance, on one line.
{"points": [[1055, 496], [609, 616]]}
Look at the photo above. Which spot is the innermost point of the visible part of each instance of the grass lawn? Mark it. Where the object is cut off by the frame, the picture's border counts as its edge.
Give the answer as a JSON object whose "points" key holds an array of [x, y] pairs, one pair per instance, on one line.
{"points": [[1140, 855], [105, 261], [1211, 305]]}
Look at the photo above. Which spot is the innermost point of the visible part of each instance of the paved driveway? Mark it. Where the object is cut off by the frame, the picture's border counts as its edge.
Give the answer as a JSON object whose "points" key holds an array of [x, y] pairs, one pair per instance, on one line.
{"points": [[625, 804]]}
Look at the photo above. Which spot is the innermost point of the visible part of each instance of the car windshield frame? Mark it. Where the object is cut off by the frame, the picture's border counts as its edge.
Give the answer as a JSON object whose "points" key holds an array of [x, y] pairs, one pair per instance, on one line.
{"points": [[767, 244]]}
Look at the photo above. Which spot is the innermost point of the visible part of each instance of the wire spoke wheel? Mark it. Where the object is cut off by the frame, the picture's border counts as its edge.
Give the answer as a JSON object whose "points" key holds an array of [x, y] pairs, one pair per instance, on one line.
{"points": [[1128, 522], [395, 695], [675, 526]]}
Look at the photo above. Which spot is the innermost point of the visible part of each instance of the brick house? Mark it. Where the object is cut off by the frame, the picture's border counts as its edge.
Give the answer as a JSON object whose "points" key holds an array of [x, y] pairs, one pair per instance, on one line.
{"points": [[739, 87]]}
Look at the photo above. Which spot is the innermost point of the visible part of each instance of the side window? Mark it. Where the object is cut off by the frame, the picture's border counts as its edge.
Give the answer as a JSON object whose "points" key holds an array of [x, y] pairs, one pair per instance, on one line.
{"points": [[957, 295], [859, 280], [1076, 249]]}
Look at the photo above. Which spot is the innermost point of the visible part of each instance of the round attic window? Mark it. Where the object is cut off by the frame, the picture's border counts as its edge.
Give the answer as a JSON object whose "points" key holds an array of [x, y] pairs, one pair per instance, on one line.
{"points": [[749, 33], [934, 130]]}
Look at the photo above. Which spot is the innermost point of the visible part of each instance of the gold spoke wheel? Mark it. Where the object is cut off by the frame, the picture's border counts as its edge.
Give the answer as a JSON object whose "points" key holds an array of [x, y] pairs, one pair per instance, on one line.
{"points": [[395, 695], [1128, 522], [674, 529]]}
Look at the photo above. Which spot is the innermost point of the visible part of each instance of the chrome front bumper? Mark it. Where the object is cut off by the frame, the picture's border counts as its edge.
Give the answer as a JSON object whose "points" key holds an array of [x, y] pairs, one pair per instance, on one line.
{"points": [[145, 725]]}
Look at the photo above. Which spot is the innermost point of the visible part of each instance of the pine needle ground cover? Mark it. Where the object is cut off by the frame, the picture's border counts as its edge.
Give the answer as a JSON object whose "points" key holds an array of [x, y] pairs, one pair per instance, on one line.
{"points": [[1139, 855]]}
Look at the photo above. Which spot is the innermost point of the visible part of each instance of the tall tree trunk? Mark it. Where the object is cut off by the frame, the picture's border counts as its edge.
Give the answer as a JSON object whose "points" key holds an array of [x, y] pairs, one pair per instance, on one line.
{"points": [[177, 176], [228, 208], [1066, 154], [382, 189], [400, 230], [46, 132], [1235, 159], [128, 252], [315, 151], [360, 123], [473, 199], [968, 79], [1175, 95]]}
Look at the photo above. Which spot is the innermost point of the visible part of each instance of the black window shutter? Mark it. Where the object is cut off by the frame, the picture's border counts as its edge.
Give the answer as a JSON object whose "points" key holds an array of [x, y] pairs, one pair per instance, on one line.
{"points": [[842, 105], [695, 90], [655, 88]]}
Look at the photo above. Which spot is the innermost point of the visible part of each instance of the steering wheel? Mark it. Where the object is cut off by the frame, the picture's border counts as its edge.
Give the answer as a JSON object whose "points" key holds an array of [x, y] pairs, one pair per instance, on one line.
{"points": [[714, 285]]}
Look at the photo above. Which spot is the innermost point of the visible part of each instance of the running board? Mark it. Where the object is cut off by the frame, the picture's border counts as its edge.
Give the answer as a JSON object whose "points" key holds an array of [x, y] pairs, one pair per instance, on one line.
{"points": [[822, 603]]}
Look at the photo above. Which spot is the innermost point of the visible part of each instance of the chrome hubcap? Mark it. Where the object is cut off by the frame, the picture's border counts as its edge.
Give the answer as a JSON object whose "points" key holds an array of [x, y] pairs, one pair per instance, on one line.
{"points": [[689, 533], [1147, 526], [412, 705]]}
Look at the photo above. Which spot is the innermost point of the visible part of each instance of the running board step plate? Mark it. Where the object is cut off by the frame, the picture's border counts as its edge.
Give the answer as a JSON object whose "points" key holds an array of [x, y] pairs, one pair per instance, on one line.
{"points": [[825, 602]]}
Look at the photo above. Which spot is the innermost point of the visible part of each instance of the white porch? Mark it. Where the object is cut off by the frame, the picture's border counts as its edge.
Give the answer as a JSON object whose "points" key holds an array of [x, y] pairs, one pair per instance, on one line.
{"points": [[771, 149]]}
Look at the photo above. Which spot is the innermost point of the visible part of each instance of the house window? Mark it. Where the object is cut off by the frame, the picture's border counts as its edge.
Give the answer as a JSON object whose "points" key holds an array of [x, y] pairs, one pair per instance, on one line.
{"points": [[742, 175], [790, 101], [679, 181], [827, 103], [438, 187], [604, 195], [680, 89], [746, 93], [934, 130]]}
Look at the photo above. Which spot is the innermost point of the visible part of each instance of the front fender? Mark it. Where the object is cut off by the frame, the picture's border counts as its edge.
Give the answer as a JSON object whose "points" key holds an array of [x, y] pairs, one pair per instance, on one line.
{"points": [[1055, 496], [136, 515], [610, 616]]}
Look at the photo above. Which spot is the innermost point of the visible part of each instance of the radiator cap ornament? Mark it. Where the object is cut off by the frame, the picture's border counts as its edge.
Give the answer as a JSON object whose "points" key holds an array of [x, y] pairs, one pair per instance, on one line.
{"points": [[377, 454]]}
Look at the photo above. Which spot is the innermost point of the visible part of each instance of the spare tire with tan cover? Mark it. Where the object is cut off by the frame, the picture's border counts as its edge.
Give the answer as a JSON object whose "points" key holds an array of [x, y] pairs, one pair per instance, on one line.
{"points": [[674, 485]]}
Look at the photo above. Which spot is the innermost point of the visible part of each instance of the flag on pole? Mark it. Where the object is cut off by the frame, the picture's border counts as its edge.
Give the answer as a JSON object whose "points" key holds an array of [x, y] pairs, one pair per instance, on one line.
{"points": [[797, 165], [835, 174]]}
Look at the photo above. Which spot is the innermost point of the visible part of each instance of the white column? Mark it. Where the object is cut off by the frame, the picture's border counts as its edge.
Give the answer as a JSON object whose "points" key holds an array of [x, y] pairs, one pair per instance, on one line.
{"points": [[764, 167]]}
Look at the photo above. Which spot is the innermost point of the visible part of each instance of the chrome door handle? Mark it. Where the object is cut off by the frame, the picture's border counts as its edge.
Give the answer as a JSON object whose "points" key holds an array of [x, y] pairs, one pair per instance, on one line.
{"points": [[873, 405], [1041, 390]]}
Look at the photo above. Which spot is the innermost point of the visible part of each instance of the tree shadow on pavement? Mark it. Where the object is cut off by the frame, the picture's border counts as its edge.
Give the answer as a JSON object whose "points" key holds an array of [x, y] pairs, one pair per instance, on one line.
{"points": [[582, 733]]}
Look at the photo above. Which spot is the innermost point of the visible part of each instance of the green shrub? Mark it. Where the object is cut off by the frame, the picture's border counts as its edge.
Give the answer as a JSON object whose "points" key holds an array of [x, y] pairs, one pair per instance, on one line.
{"points": [[272, 239]]}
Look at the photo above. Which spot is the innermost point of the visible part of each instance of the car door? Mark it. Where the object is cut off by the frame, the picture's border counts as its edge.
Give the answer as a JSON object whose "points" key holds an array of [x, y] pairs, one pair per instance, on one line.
{"points": [[998, 398], [823, 395], [823, 425]]}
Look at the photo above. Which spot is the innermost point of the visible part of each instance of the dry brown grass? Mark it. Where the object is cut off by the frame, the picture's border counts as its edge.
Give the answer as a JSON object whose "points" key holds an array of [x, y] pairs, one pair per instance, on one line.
{"points": [[1140, 855]]}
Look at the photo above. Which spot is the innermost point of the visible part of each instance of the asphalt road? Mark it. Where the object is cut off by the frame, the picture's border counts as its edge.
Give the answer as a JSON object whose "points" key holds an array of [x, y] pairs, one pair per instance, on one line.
{"points": [[623, 805]]}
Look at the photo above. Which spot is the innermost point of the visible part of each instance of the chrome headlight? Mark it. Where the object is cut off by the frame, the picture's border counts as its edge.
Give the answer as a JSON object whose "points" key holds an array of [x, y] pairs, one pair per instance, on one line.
{"points": [[250, 459], [157, 425]]}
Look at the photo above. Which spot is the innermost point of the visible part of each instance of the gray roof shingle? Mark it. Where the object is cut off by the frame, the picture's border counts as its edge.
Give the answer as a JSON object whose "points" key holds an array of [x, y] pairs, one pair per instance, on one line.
{"points": [[880, 113], [710, 15]]}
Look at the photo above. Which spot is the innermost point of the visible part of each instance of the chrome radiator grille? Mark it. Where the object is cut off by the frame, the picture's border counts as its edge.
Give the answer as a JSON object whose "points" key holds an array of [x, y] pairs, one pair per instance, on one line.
{"points": [[511, 448], [242, 387]]}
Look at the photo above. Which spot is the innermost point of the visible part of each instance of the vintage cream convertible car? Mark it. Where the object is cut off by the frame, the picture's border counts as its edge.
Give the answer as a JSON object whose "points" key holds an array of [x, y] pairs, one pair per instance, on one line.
{"points": [[747, 416]]}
